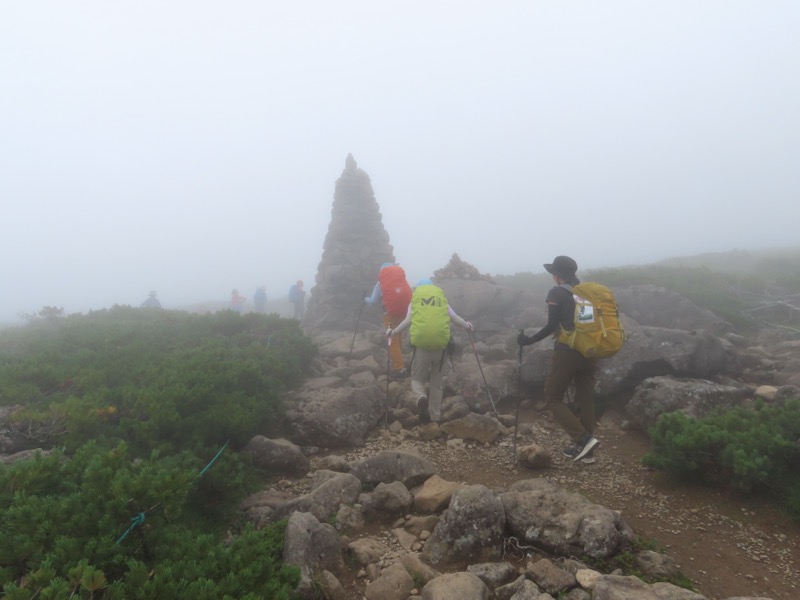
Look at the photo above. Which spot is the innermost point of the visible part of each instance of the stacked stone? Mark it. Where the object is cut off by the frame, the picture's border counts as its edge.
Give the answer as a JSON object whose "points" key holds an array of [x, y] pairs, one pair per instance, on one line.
{"points": [[355, 247], [459, 269]]}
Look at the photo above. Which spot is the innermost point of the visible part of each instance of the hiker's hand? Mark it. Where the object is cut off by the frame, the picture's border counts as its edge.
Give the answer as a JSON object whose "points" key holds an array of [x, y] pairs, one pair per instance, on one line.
{"points": [[524, 340], [367, 300], [389, 332], [469, 326]]}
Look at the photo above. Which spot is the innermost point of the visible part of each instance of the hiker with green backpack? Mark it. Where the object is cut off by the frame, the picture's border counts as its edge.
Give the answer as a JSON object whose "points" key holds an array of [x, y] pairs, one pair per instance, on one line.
{"points": [[584, 319], [428, 316]]}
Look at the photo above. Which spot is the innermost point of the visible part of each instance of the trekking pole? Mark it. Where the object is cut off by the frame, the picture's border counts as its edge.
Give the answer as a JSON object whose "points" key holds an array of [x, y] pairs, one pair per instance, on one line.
{"points": [[388, 357], [475, 352], [519, 397], [358, 318]]}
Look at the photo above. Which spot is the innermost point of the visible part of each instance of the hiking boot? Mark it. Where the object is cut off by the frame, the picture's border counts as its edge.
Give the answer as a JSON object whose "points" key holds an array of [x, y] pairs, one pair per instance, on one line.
{"points": [[422, 409], [586, 446], [397, 375]]}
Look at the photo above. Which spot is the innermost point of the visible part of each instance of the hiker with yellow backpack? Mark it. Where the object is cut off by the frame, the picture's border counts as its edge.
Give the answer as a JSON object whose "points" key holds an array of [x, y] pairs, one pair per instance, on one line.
{"points": [[584, 320], [429, 316]]}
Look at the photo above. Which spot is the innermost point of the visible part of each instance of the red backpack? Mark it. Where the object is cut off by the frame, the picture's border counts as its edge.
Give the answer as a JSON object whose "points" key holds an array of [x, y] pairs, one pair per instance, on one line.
{"points": [[395, 290]]}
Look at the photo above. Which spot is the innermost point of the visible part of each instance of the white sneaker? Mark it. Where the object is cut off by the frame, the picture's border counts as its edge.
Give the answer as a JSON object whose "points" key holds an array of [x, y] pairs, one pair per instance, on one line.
{"points": [[588, 448]]}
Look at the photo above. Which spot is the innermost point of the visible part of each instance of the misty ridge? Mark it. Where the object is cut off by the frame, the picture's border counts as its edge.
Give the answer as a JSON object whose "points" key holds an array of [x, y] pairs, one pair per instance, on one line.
{"points": [[358, 242], [141, 153], [767, 277]]}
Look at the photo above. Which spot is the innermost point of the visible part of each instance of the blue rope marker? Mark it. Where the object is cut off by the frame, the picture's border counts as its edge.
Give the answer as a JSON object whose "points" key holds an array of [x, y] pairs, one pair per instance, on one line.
{"points": [[135, 522], [139, 519], [208, 466]]}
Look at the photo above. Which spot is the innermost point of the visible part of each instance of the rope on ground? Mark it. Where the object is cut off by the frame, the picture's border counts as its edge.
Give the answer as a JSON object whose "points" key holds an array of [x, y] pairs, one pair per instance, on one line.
{"points": [[511, 544]]}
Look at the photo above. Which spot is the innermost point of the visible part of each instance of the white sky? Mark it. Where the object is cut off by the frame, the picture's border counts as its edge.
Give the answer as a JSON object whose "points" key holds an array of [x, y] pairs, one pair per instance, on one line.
{"points": [[191, 147]]}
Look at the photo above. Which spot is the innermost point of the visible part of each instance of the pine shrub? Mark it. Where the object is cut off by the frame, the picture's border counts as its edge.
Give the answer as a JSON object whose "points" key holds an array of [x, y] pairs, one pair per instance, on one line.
{"points": [[753, 450], [70, 525], [164, 380], [140, 410]]}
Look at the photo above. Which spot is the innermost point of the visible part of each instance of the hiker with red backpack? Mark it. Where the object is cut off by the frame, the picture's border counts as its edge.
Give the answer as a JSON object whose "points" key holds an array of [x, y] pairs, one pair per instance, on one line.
{"points": [[584, 320], [429, 317], [393, 291]]}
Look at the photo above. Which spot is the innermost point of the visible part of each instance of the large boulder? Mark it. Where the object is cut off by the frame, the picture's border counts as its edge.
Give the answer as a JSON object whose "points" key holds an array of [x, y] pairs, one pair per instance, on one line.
{"points": [[388, 500], [325, 499], [434, 495], [542, 514], [388, 466], [694, 397], [618, 587], [489, 306], [394, 583], [656, 306], [471, 528], [653, 351], [10, 459], [455, 586], [481, 428], [648, 352], [313, 547], [339, 417], [355, 345], [275, 456], [482, 385]]}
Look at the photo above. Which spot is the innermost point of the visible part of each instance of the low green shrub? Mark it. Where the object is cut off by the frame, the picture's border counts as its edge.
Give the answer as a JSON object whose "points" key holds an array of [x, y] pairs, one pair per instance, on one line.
{"points": [[73, 526], [753, 450], [138, 408], [166, 380]]}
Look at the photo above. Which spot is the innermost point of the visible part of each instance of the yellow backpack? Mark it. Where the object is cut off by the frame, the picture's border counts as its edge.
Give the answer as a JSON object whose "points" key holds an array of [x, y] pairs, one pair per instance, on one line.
{"points": [[598, 332]]}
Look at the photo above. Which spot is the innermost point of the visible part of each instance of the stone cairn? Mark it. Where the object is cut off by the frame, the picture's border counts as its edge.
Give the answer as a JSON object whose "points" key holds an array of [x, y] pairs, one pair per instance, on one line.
{"points": [[459, 269], [355, 247]]}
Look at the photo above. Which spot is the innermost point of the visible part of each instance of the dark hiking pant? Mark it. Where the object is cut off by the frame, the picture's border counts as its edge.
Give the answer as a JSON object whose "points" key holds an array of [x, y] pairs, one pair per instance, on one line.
{"points": [[571, 367]]}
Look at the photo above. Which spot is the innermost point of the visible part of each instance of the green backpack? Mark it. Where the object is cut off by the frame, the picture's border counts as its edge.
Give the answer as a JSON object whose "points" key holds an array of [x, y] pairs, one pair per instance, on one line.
{"points": [[430, 319], [598, 332]]}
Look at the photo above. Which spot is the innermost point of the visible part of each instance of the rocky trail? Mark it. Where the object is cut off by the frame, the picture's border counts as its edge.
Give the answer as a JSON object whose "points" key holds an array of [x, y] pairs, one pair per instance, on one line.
{"points": [[726, 544]]}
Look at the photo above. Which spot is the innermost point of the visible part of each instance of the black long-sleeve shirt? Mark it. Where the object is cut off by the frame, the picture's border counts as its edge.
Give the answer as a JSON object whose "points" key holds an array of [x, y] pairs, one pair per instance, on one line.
{"points": [[560, 313]]}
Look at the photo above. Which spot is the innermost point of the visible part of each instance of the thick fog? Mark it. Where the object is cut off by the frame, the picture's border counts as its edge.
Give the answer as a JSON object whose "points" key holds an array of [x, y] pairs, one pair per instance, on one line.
{"points": [[192, 147]]}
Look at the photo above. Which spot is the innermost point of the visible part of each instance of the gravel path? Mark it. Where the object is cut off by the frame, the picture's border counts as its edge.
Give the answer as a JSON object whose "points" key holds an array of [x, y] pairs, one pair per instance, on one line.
{"points": [[726, 544]]}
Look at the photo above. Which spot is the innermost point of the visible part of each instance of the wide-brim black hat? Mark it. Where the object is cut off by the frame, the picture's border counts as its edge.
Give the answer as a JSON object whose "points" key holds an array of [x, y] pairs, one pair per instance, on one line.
{"points": [[563, 266]]}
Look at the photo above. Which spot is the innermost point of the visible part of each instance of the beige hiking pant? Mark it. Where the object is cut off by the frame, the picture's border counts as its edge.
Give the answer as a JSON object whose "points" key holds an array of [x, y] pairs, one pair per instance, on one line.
{"points": [[427, 368]]}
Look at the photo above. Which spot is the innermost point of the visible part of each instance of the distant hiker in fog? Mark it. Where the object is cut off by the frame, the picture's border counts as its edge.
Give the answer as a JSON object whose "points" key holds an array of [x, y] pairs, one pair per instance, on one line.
{"points": [[260, 300], [151, 302], [395, 293], [237, 301], [297, 296]]}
